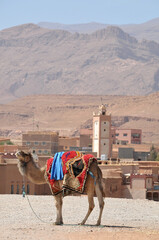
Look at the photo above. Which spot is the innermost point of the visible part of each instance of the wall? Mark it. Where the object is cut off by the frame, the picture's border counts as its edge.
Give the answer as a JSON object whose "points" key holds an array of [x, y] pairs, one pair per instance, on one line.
{"points": [[112, 181], [112, 187], [10, 176], [41, 142], [2, 178], [125, 153], [65, 143], [138, 194], [127, 192], [138, 183], [85, 141]]}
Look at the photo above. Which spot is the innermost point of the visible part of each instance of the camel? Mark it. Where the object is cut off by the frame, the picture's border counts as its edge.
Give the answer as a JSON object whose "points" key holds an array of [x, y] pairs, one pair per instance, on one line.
{"points": [[29, 168]]}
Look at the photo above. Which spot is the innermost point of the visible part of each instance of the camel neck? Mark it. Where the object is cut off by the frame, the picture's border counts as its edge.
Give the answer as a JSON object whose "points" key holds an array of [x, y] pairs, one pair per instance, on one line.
{"points": [[34, 173]]}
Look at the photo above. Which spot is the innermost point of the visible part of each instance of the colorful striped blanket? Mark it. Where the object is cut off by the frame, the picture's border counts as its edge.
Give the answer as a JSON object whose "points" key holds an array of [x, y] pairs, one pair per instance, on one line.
{"points": [[75, 167]]}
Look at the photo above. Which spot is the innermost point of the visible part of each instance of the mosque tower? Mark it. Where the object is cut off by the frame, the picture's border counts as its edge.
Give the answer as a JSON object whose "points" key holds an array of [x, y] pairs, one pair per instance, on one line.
{"points": [[102, 133]]}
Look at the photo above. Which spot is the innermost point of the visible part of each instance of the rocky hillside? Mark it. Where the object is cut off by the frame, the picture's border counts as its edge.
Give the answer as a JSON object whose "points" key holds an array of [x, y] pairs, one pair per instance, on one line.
{"points": [[35, 60]]}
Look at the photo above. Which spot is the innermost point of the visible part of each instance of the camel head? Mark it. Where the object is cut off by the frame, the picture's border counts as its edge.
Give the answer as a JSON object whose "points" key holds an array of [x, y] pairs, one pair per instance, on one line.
{"points": [[24, 158]]}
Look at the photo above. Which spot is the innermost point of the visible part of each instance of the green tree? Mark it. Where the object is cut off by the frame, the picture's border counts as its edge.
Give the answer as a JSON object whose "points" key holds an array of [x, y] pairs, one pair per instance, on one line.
{"points": [[6, 143], [153, 153], [157, 158]]}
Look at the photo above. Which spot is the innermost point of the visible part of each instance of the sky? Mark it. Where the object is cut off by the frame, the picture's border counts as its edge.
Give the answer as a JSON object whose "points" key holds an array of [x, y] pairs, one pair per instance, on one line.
{"points": [[17, 12]]}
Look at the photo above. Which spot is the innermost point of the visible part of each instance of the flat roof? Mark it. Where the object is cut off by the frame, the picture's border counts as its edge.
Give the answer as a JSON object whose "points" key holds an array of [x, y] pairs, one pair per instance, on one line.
{"points": [[41, 132]]}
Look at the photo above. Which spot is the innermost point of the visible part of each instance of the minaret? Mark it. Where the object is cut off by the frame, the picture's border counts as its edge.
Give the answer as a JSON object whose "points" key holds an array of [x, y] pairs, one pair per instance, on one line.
{"points": [[102, 133]]}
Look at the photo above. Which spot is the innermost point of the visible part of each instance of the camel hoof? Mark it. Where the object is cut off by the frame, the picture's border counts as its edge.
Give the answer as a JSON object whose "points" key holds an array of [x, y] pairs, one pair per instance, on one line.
{"points": [[58, 223], [98, 223], [82, 223]]}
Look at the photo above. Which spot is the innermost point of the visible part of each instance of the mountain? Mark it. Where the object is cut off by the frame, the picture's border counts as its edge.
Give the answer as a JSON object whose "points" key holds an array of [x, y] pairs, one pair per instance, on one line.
{"points": [[148, 30], [36, 60], [73, 28], [67, 113]]}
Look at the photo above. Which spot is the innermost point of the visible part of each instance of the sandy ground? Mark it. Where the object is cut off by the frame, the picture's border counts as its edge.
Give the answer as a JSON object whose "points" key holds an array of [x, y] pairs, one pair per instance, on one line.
{"points": [[122, 219]]}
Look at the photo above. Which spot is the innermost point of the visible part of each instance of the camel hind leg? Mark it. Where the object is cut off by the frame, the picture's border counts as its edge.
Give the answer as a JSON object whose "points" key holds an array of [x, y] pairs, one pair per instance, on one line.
{"points": [[99, 193], [94, 186], [90, 208]]}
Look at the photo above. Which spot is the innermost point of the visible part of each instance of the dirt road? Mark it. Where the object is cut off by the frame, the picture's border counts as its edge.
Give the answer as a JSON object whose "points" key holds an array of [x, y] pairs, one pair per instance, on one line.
{"points": [[122, 219]]}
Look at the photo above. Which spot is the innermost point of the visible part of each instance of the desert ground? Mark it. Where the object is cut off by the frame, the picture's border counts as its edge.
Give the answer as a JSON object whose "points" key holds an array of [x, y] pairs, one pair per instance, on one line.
{"points": [[122, 219]]}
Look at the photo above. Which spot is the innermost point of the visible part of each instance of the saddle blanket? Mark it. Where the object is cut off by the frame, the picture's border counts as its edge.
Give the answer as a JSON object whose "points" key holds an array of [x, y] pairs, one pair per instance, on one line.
{"points": [[70, 172]]}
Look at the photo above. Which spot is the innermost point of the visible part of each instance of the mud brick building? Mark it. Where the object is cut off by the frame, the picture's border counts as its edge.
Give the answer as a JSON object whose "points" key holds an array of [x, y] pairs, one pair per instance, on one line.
{"points": [[126, 136], [42, 142]]}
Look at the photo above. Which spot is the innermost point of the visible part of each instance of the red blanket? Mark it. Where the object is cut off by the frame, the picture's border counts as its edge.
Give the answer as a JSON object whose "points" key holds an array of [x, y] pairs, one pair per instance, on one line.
{"points": [[75, 168]]}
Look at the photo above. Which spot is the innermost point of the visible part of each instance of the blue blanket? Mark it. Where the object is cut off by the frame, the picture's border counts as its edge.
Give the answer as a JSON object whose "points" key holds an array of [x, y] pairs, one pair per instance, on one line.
{"points": [[56, 169]]}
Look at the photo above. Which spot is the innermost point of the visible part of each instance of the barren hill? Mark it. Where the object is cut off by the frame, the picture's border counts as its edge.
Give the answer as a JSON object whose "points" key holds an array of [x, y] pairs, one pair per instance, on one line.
{"points": [[35, 60], [66, 114]]}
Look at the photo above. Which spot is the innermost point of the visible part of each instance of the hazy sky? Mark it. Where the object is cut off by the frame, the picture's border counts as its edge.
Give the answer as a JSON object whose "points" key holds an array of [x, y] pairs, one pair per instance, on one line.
{"points": [[16, 12]]}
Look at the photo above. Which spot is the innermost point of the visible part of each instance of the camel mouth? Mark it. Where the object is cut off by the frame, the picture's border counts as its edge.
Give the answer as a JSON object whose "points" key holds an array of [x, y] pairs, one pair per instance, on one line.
{"points": [[19, 155]]}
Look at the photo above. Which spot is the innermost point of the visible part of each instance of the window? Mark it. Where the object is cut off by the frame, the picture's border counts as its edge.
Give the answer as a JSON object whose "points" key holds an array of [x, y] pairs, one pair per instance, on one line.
{"points": [[135, 135], [27, 143], [36, 143], [17, 189], [124, 142], [117, 134], [135, 142], [12, 189], [43, 143], [125, 134], [39, 151], [104, 130], [28, 189]]}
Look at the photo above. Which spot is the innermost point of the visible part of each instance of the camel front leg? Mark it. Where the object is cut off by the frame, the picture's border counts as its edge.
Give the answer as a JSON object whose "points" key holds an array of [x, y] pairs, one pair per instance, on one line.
{"points": [[58, 204]]}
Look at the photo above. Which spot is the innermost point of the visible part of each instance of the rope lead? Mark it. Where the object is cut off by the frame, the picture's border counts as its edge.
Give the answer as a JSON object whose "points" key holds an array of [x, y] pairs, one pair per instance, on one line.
{"points": [[24, 194]]}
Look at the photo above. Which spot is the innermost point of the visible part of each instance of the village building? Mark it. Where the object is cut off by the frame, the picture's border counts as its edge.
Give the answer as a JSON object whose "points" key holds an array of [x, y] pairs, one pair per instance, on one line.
{"points": [[138, 179], [126, 136], [131, 152], [41, 142], [85, 140], [65, 143], [12, 182]]}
